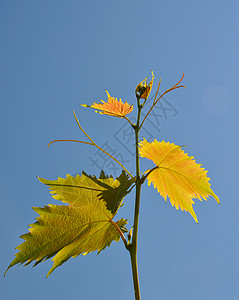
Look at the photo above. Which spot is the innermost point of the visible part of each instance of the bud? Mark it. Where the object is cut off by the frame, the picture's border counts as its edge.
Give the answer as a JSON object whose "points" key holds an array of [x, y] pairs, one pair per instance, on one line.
{"points": [[143, 89]]}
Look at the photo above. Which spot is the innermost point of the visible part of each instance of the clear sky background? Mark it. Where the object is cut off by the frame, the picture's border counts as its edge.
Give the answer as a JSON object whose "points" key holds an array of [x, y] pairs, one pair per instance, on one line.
{"points": [[55, 55]]}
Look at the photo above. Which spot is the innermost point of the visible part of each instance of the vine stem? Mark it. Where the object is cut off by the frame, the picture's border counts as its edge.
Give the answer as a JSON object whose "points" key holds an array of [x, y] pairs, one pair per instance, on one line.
{"points": [[133, 246]]}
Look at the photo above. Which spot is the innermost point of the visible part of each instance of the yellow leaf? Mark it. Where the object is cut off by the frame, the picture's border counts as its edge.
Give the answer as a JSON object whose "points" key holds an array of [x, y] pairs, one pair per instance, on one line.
{"points": [[113, 107], [176, 175]]}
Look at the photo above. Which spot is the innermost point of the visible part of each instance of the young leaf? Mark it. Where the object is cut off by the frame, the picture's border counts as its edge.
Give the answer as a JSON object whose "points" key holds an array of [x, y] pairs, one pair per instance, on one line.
{"points": [[113, 107], [85, 225], [177, 175]]}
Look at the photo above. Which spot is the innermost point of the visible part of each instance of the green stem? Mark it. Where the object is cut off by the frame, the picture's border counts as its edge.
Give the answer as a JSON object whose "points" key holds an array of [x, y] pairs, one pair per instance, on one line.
{"points": [[133, 246], [133, 256]]}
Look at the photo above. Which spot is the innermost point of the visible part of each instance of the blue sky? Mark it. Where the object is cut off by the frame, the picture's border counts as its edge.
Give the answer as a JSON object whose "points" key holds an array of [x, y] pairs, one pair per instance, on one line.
{"points": [[56, 55]]}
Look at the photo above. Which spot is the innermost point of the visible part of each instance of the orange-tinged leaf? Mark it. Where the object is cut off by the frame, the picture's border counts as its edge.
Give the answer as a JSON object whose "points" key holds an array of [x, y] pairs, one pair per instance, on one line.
{"points": [[113, 107], [176, 175]]}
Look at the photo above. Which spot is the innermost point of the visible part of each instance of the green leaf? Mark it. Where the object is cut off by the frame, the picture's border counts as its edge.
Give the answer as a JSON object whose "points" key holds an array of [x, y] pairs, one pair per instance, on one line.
{"points": [[85, 225]]}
